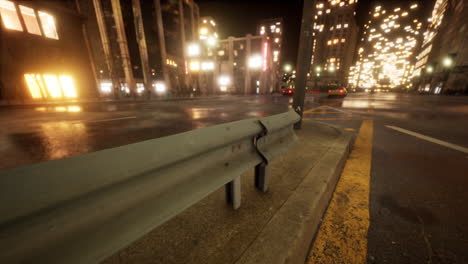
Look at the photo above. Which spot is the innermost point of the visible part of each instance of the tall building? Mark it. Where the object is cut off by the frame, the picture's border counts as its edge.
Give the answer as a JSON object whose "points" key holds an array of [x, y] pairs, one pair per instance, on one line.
{"points": [[442, 64], [139, 47], [386, 51], [43, 53], [335, 37], [272, 29]]}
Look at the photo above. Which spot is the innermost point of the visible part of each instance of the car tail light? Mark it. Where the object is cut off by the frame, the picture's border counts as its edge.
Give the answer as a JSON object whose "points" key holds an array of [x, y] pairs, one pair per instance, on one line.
{"points": [[290, 91], [341, 91], [329, 91]]}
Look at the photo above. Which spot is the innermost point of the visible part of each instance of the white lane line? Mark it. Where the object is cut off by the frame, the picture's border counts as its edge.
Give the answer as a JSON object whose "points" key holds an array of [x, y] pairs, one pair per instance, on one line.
{"points": [[430, 139], [106, 120]]}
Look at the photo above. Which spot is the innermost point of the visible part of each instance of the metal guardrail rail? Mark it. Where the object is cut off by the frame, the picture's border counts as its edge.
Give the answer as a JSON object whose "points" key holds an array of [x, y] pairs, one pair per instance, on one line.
{"points": [[85, 208]]}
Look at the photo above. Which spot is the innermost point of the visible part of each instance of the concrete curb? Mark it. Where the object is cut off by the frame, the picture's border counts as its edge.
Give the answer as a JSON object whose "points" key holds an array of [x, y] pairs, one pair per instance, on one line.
{"points": [[288, 235]]}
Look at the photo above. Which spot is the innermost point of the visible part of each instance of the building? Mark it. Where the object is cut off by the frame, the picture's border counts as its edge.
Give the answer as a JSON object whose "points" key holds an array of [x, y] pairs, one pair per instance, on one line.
{"points": [[387, 49], [442, 64], [335, 37], [43, 54], [89, 48], [201, 53], [139, 47], [273, 30], [245, 65]]}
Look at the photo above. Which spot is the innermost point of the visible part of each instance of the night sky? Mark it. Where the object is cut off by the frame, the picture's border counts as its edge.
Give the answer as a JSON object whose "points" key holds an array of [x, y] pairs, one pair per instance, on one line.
{"points": [[240, 17]]}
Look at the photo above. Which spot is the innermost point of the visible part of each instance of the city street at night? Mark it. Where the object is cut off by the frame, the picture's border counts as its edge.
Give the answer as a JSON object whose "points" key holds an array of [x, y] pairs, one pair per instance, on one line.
{"points": [[417, 191], [234, 132]]}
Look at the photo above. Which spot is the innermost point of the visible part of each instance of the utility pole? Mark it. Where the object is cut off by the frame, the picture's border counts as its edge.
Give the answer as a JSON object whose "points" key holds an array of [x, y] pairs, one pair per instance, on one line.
{"points": [[141, 39], [304, 57], [106, 47], [162, 44], [122, 39]]}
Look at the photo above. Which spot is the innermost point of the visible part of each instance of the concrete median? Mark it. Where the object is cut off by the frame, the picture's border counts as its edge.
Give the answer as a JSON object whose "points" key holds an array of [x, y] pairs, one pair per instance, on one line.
{"points": [[273, 227]]}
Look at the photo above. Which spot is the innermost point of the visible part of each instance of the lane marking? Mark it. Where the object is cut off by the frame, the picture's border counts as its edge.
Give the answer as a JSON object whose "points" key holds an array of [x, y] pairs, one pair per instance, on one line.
{"points": [[313, 109], [326, 119], [105, 120], [350, 129], [430, 139], [320, 113], [342, 237]]}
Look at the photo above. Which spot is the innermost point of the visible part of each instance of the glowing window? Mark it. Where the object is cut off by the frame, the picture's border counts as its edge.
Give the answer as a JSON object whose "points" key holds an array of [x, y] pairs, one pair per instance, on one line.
{"points": [[53, 86], [30, 20], [48, 25], [33, 86], [68, 87], [9, 16]]}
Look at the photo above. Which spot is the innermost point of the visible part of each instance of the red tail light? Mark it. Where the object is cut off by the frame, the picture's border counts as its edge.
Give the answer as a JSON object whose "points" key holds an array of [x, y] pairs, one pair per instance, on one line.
{"points": [[329, 91], [290, 91], [341, 91]]}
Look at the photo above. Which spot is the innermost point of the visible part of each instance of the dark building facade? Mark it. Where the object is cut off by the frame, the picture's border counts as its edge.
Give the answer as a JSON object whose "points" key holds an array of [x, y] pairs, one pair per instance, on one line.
{"points": [[139, 47], [442, 63], [43, 53]]}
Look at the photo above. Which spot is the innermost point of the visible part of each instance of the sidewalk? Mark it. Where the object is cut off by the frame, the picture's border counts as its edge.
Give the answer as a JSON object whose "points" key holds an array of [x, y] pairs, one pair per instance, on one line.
{"points": [[19, 103], [273, 227]]}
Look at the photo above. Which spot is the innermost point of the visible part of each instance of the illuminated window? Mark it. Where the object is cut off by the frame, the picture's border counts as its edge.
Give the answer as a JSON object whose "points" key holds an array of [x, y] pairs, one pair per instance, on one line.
{"points": [[49, 85], [9, 16], [53, 85], [346, 25], [48, 25], [33, 86], [68, 87], [30, 20]]}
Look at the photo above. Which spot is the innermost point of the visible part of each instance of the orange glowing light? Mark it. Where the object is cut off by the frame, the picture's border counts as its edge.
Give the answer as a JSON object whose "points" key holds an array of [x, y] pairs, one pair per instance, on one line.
{"points": [[9, 15], [33, 86], [53, 86], [48, 25], [68, 87], [30, 20]]}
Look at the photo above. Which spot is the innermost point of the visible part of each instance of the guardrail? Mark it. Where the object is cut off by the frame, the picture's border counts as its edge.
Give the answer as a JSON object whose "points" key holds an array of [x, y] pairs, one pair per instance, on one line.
{"points": [[85, 208]]}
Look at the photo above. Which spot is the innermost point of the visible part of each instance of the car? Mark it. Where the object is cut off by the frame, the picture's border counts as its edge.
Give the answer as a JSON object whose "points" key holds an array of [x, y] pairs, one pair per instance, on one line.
{"points": [[287, 92], [338, 91]]}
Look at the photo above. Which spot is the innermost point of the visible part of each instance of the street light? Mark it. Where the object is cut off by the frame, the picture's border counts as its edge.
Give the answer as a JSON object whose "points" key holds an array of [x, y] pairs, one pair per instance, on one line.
{"points": [[207, 66], [331, 69], [447, 62], [224, 81], [159, 87], [255, 62], [211, 41], [193, 50], [194, 66], [429, 69], [318, 69], [287, 68]]}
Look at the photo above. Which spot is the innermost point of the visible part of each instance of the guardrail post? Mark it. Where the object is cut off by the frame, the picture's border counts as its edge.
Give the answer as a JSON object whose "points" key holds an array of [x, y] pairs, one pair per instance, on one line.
{"points": [[233, 193], [261, 177]]}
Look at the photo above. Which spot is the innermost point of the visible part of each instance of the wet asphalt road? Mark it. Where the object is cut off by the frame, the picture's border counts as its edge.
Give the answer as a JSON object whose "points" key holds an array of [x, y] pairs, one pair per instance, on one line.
{"points": [[418, 197]]}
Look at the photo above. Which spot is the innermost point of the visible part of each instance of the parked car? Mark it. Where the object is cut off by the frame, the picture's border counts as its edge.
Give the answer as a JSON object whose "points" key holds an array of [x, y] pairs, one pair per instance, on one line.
{"points": [[287, 91], [338, 91]]}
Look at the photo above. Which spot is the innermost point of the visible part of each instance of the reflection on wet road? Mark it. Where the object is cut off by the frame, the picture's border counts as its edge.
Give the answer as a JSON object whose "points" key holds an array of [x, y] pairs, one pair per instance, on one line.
{"points": [[43, 133]]}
